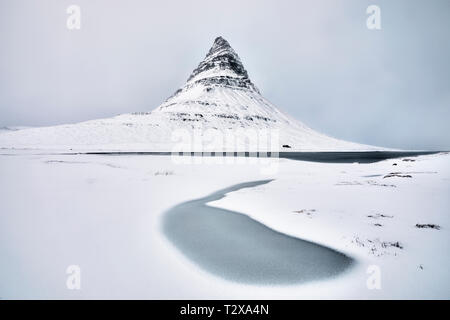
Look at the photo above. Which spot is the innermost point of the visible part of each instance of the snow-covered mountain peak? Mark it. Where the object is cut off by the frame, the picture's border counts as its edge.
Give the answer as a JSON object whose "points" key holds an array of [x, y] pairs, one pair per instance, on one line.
{"points": [[217, 100], [219, 45], [222, 60], [221, 68]]}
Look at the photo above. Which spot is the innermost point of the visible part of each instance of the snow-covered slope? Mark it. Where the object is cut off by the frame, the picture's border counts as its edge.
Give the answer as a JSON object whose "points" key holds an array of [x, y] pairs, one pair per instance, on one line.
{"points": [[11, 128], [218, 108]]}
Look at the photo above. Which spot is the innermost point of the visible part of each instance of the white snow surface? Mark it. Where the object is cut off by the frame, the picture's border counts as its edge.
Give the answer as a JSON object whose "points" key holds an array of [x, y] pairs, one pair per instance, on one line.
{"points": [[104, 214]]}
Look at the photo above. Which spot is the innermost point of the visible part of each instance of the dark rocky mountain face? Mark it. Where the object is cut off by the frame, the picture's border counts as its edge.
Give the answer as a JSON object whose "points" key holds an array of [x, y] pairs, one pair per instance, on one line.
{"points": [[222, 57]]}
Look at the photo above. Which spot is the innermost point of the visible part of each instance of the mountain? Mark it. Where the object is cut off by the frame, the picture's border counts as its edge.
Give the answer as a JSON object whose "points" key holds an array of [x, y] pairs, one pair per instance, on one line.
{"points": [[218, 109]]}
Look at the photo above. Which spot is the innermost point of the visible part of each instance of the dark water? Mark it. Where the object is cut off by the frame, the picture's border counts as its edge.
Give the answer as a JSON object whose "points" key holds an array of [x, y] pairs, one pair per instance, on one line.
{"points": [[330, 157], [234, 246], [350, 157]]}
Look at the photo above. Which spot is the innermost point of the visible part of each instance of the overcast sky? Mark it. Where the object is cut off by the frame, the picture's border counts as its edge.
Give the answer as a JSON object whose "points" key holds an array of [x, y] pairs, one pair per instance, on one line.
{"points": [[316, 60]]}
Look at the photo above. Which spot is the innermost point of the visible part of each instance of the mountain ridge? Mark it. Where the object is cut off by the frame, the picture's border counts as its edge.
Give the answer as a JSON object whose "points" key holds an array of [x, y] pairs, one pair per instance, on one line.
{"points": [[218, 100]]}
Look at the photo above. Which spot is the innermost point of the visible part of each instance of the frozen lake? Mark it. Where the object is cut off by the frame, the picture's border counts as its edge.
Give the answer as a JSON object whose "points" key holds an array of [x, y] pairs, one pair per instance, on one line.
{"points": [[325, 157], [238, 248]]}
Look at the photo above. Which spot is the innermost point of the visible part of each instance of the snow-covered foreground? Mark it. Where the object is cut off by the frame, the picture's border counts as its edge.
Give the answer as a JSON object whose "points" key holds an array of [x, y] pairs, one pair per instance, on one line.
{"points": [[105, 214]]}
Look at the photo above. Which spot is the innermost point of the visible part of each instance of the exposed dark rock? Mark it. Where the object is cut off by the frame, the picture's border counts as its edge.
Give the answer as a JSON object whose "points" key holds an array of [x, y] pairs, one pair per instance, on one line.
{"points": [[387, 244], [378, 215], [221, 56], [397, 174], [428, 226], [307, 212]]}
